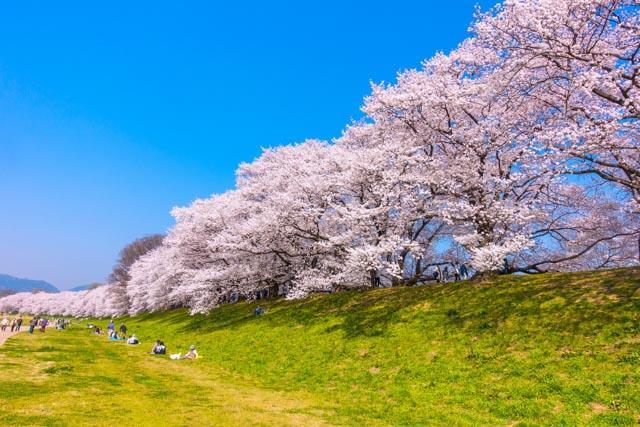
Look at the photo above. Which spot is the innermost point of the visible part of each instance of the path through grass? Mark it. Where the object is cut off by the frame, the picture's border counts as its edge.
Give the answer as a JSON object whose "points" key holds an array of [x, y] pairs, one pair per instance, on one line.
{"points": [[6, 334], [73, 378]]}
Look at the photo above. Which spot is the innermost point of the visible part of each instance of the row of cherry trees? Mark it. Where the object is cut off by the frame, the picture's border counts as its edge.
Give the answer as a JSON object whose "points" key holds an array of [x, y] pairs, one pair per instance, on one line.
{"points": [[520, 145]]}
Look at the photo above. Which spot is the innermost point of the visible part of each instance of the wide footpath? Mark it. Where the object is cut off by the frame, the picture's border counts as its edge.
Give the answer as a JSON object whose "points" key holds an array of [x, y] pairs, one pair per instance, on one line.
{"points": [[6, 334], [557, 349]]}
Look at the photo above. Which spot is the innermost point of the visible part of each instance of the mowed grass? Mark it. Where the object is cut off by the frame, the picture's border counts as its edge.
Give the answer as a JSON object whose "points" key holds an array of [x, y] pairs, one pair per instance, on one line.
{"points": [[554, 349]]}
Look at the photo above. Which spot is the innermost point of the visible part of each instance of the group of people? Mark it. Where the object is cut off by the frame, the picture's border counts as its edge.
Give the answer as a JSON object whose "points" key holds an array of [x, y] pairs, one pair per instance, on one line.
{"points": [[36, 322], [61, 324], [15, 323], [159, 348], [113, 334], [444, 275]]}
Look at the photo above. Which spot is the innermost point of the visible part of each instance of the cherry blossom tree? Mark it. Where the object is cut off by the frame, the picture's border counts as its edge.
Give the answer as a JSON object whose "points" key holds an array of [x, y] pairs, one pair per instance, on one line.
{"points": [[95, 303], [578, 63], [120, 274]]}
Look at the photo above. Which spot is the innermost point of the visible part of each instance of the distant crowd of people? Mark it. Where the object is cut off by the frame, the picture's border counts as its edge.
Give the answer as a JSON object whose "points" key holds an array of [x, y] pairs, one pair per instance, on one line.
{"points": [[159, 348], [14, 323], [36, 322], [61, 324], [456, 272]]}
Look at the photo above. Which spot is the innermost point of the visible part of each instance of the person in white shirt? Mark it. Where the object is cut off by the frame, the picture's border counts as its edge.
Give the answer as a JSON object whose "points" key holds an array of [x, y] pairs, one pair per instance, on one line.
{"points": [[192, 353]]}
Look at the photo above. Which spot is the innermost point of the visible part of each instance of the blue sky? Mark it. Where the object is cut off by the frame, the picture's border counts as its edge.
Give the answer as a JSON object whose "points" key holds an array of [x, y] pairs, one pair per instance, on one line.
{"points": [[113, 113]]}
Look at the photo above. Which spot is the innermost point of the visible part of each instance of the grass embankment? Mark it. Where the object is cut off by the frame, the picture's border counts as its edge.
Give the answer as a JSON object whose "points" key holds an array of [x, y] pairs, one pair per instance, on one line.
{"points": [[557, 349]]}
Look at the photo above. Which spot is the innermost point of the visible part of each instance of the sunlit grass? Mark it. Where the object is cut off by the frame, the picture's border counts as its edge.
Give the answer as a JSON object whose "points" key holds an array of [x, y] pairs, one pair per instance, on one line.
{"points": [[553, 349]]}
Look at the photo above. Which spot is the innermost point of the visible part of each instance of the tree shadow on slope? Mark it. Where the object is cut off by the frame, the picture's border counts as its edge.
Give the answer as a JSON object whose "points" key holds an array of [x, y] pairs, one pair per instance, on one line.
{"points": [[367, 313], [566, 302]]}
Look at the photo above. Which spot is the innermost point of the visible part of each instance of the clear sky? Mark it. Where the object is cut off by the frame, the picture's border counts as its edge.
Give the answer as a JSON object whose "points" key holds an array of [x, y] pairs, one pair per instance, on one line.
{"points": [[112, 113]]}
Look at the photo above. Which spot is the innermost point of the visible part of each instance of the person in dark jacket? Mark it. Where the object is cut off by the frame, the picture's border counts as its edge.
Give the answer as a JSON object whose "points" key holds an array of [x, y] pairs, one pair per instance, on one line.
{"points": [[159, 348], [32, 325], [464, 273]]}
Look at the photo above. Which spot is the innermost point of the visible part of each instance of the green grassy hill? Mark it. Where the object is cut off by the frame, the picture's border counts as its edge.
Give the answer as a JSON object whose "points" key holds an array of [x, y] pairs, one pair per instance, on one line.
{"points": [[555, 349]]}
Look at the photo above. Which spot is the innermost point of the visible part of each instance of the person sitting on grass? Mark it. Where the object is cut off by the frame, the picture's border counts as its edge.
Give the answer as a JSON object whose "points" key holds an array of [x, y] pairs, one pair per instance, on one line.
{"points": [[159, 348], [192, 354], [133, 340], [97, 331], [259, 311], [113, 336]]}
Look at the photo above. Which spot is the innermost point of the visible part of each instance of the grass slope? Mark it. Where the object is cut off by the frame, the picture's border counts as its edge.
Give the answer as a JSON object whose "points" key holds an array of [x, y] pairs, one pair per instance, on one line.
{"points": [[555, 349]]}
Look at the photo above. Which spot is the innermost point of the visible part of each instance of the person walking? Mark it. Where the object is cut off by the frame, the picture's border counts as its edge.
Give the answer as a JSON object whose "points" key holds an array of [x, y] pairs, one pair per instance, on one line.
{"points": [[18, 323], [456, 273], [439, 271], [13, 324], [43, 324], [5, 323], [111, 327], [464, 273], [32, 325]]}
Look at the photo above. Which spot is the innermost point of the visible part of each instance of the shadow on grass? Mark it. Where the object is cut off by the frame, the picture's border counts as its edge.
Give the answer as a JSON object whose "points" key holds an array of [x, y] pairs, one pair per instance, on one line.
{"points": [[580, 300]]}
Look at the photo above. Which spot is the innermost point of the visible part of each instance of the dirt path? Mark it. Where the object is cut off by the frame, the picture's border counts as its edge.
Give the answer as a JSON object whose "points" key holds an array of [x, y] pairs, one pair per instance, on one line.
{"points": [[6, 334]]}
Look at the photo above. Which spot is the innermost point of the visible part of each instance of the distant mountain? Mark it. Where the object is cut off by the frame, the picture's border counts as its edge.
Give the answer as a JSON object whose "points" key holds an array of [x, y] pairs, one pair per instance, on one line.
{"points": [[25, 285], [86, 287]]}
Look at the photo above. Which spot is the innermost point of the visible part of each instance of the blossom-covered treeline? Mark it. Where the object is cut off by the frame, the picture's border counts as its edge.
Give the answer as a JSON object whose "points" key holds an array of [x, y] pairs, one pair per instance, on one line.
{"points": [[520, 147]]}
